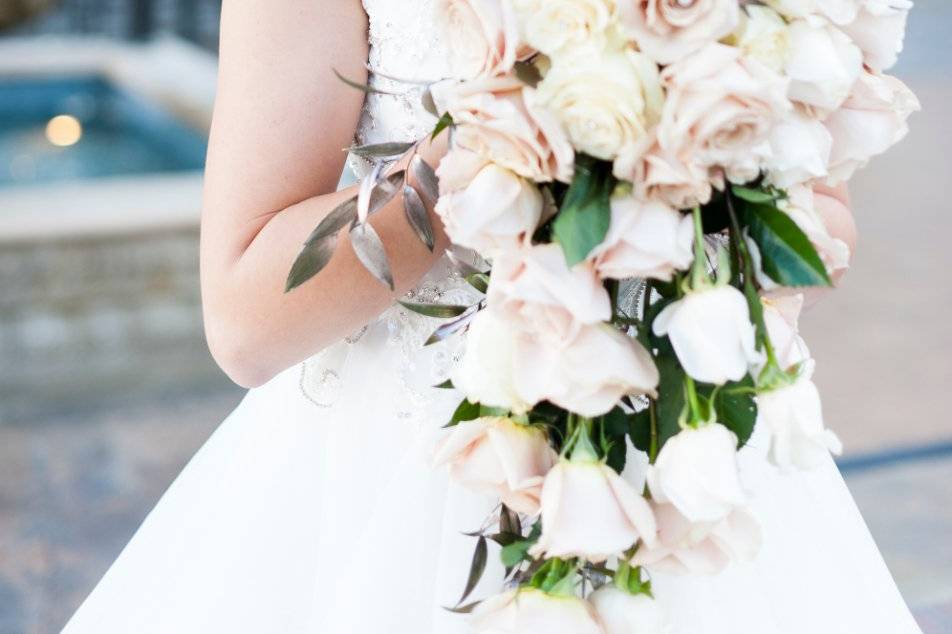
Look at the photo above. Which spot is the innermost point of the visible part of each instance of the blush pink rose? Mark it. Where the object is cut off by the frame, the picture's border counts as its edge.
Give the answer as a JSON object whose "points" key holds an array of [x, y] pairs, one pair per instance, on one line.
{"points": [[669, 30], [527, 609], [879, 30], [659, 175], [482, 36]]}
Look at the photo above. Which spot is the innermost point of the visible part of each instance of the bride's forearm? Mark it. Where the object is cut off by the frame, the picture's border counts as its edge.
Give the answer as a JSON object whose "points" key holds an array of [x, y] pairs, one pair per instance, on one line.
{"points": [[255, 329]]}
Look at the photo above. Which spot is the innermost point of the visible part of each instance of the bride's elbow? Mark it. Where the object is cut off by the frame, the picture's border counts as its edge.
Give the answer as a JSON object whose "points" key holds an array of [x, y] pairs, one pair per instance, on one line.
{"points": [[236, 353]]}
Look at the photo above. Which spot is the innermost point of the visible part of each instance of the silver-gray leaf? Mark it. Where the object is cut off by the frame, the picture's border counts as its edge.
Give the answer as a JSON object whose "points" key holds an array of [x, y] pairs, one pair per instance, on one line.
{"points": [[336, 220], [428, 104], [385, 190], [440, 311], [380, 150], [367, 187], [311, 260], [425, 178], [418, 217], [371, 253], [449, 329]]}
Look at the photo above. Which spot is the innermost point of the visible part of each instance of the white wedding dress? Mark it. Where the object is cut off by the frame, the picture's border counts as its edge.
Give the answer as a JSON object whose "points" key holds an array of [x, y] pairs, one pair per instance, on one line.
{"points": [[314, 509]]}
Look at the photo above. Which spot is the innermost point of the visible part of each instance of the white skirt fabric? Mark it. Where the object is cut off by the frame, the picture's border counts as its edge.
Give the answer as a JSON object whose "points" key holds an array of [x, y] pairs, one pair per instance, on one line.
{"points": [[295, 518]]}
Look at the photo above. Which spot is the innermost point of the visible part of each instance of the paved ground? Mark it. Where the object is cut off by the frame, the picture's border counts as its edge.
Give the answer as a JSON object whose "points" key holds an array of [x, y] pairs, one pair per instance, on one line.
{"points": [[73, 488]]}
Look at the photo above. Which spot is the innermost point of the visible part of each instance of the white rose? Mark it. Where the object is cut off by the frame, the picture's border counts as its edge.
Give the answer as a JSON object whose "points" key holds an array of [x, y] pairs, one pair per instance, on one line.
{"points": [[720, 110], [872, 120], [879, 30], [800, 206], [498, 210], [553, 25], [487, 372], [587, 374], [669, 30], [711, 333], [589, 511], [782, 316], [762, 35], [823, 64], [483, 36], [500, 457], [705, 548], [794, 416], [625, 613], [496, 119], [604, 102], [645, 239], [800, 149], [530, 610], [697, 472], [837, 11], [537, 291]]}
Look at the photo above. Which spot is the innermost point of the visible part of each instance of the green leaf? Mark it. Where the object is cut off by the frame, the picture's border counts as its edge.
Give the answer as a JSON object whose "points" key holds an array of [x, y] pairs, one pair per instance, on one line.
{"points": [[787, 256], [359, 86], [670, 401], [736, 407], [639, 430], [440, 311], [479, 281], [445, 121], [464, 609], [583, 221], [466, 411], [751, 195], [486, 410], [515, 552], [445, 385], [528, 73]]}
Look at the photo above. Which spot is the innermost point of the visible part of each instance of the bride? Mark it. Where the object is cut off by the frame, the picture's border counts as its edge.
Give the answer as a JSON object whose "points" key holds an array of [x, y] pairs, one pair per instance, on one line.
{"points": [[313, 508]]}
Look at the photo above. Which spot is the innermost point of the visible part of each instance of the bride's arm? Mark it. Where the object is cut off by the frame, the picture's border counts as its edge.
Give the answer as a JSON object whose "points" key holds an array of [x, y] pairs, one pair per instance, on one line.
{"points": [[275, 156]]}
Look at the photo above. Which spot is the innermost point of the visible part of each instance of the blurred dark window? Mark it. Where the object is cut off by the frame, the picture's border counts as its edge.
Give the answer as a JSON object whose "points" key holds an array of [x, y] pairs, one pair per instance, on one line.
{"points": [[194, 20]]}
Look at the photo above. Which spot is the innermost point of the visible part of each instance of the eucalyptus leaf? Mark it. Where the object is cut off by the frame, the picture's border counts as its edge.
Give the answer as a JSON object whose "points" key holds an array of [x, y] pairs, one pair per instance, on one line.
{"points": [[464, 609], [476, 568], [380, 150], [449, 329], [441, 311], [367, 186], [310, 261], [362, 87], [418, 217], [509, 521], [426, 178], [528, 73], [341, 216], [370, 251], [385, 190], [426, 99], [786, 254], [583, 221]]}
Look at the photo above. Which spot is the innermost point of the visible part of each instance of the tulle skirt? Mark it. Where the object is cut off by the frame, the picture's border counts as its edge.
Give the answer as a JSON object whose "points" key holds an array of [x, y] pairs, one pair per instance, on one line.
{"points": [[304, 518]]}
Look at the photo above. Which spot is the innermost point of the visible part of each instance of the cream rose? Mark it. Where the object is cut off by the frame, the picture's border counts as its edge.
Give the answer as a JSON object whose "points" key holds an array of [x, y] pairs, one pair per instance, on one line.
{"points": [[604, 102], [498, 210], [496, 119], [697, 472], [800, 149], [837, 11], [586, 375], [823, 64], [487, 372], [645, 239], [554, 25], [575, 493], [530, 610], [794, 416], [659, 175], [669, 30], [872, 120], [483, 36], [711, 333], [537, 291], [762, 35], [500, 457], [720, 110], [879, 30], [624, 613], [685, 547]]}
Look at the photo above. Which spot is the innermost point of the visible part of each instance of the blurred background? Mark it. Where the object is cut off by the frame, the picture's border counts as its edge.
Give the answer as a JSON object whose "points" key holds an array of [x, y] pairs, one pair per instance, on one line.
{"points": [[106, 387]]}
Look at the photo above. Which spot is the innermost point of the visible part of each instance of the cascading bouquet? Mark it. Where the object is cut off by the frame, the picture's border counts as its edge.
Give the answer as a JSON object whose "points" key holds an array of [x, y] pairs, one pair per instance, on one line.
{"points": [[644, 178]]}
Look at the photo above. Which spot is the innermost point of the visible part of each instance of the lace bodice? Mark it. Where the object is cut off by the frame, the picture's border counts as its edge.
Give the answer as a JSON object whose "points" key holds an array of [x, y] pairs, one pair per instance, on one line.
{"points": [[405, 55]]}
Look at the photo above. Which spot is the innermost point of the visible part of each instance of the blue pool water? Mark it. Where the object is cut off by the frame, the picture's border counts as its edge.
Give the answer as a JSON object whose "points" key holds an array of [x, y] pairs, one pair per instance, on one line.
{"points": [[121, 133]]}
